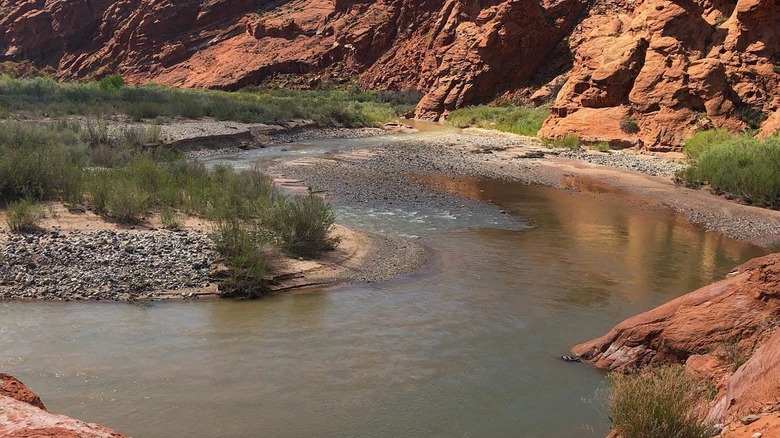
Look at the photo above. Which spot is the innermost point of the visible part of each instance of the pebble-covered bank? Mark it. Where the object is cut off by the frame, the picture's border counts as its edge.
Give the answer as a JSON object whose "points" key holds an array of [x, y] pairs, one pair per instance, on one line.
{"points": [[102, 265], [354, 177]]}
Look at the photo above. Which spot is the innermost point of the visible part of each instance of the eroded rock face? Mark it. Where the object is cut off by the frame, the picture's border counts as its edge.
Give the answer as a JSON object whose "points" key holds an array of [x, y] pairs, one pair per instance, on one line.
{"points": [[457, 51], [23, 415], [666, 67], [711, 330], [11, 387], [672, 67]]}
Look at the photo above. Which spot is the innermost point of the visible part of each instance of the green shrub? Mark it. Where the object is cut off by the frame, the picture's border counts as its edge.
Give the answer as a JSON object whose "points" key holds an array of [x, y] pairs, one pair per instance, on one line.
{"points": [[24, 216], [242, 251], [126, 202], [170, 218], [567, 142], [516, 119], [114, 82], [304, 224], [601, 146], [659, 402], [629, 126], [702, 140], [753, 117]]}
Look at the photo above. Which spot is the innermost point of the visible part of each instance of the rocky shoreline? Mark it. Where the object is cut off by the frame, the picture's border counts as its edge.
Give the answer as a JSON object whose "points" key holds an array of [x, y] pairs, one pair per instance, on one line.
{"points": [[103, 265], [355, 174]]}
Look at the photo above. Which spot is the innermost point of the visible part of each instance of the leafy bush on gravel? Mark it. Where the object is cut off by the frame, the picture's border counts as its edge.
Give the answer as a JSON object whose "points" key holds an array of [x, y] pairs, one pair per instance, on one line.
{"points": [[242, 251], [659, 402], [24, 216], [521, 120], [303, 225], [740, 166]]}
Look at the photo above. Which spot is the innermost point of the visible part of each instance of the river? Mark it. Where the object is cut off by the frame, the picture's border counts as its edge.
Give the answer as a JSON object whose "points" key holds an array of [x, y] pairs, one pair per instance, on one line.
{"points": [[467, 346]]}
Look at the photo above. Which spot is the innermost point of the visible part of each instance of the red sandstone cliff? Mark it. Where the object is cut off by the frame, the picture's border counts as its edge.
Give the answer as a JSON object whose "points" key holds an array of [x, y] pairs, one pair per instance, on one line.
{"points": [[668, 66], [23, 415], [711, 330]]}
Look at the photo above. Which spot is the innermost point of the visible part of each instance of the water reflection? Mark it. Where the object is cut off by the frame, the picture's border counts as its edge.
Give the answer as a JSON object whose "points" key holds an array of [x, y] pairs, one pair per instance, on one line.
{"points": [[468, 349]]}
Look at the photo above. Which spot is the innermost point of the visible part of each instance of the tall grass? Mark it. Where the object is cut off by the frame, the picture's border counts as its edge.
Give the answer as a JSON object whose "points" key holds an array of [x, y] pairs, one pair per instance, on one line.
{"points": [[23, 216], [126, 181], [303, 225], [348, 108], [702, 140], [658, 402], [515, 119], [740, 166]]}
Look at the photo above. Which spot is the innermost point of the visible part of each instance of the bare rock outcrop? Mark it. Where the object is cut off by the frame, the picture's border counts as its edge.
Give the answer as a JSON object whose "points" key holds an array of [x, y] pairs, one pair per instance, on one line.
{"points": [[729, 324], [644, 73], [23, 415], [650, 73], [456, 51]]}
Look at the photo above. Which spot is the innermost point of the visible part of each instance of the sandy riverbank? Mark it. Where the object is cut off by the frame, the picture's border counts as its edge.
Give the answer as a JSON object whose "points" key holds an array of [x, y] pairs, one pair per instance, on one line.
{"points": [[486, 154]]}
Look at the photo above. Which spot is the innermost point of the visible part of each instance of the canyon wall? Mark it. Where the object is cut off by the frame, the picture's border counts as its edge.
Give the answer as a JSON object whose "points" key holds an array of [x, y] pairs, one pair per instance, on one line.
{"points": [[643, 73]]}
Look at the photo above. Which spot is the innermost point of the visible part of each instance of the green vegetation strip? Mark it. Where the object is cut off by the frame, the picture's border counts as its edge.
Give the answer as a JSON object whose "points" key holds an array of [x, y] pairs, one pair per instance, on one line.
{"points": [[344, 108], [515, 119], [125, 180], [736, 165]]}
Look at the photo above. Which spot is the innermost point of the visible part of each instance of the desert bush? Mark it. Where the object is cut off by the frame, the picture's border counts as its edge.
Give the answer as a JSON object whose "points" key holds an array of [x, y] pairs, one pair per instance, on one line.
{"points": [[744, 167], [111, 82], [658, 402], [126, 202], [23, 216], [702, 140], [567, 142], [516, 119], [629, 126], [242, 251], [303, 225], [170, 218], [601, 146]]}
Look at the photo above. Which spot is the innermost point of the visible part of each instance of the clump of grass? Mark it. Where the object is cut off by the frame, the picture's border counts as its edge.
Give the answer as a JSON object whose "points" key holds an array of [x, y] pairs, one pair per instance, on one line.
{"points": [[629, 126], [733, 354], [601, 146], [659, 402], [303, 225], [242, 251], [515, 119], [568, 142], [170, 218], [740, 166], [24, 216]]}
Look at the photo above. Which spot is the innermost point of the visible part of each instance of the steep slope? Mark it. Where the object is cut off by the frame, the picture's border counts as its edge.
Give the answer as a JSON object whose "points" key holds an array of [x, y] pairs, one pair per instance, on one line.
{"points": [[662, 68], [459, 51]]}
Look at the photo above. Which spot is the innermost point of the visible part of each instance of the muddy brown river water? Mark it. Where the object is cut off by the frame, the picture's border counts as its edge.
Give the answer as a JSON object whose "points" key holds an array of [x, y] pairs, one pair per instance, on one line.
{"points": [[468, 346]]}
